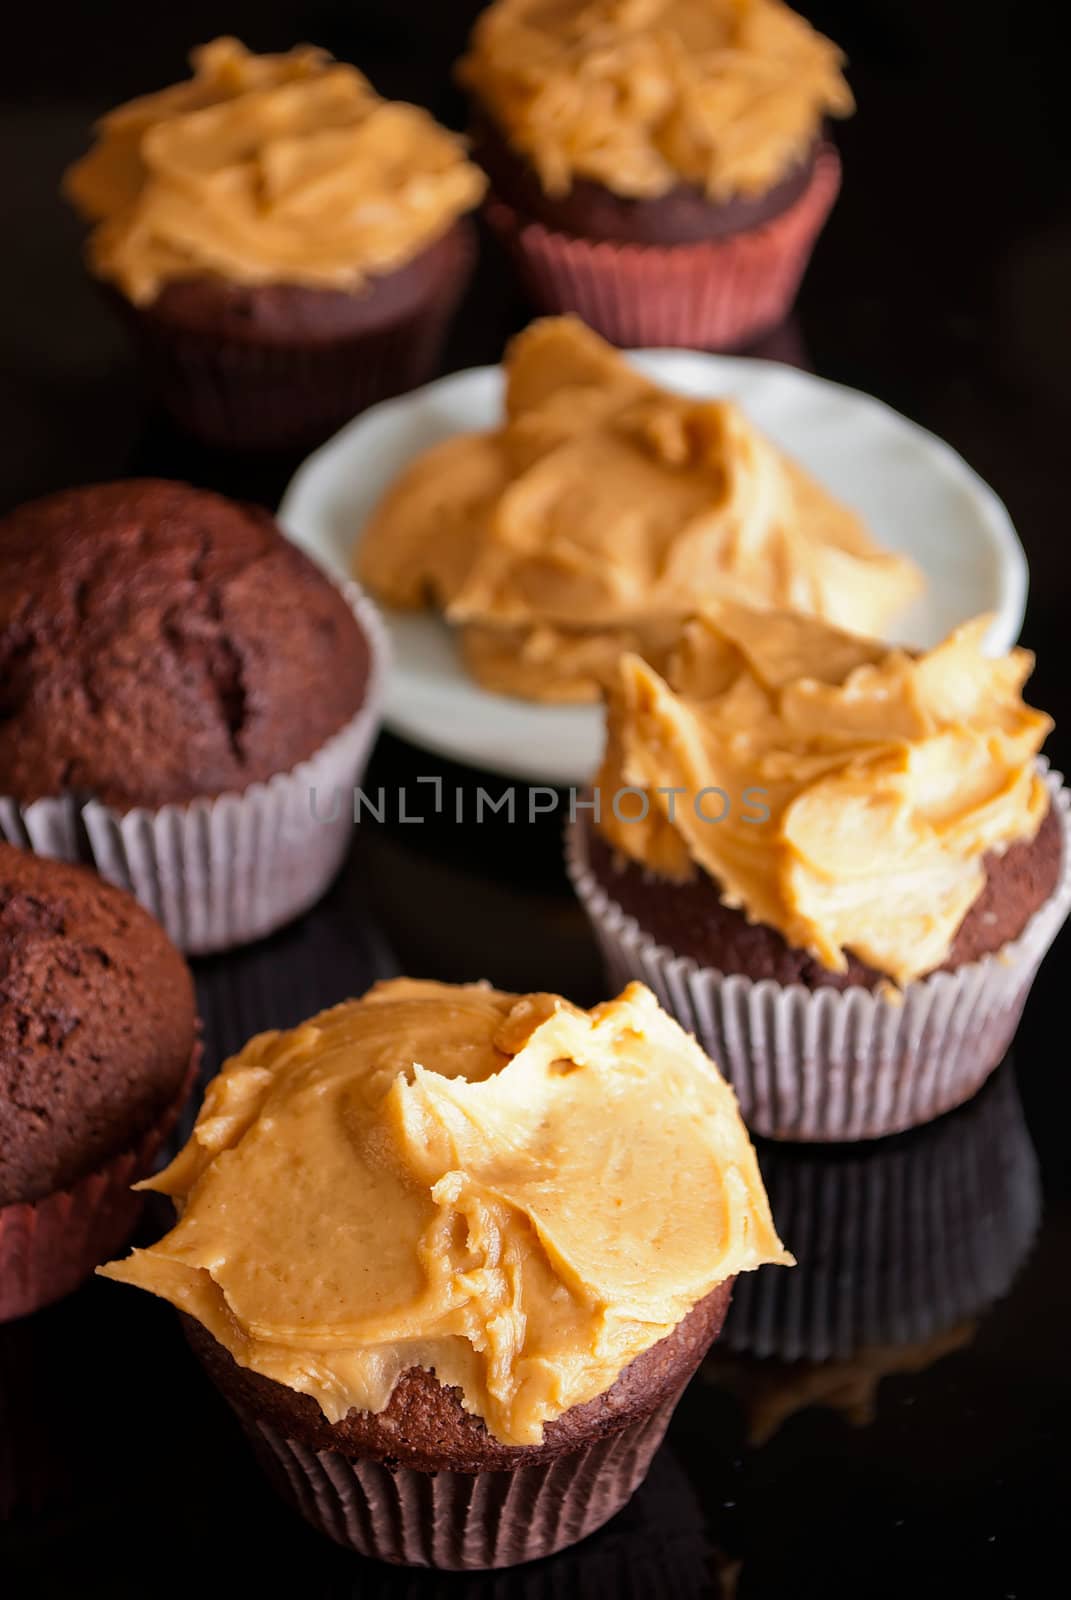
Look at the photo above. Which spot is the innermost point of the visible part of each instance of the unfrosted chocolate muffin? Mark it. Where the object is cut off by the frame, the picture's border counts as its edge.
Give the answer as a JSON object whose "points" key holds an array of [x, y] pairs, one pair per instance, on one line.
{"points": [[692, 919], [97, 1024], [159, 644]]}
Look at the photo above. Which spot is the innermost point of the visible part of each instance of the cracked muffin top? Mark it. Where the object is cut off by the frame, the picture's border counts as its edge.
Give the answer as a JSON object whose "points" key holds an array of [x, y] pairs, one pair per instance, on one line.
{"points": [[159, 643], [97, 1023]]}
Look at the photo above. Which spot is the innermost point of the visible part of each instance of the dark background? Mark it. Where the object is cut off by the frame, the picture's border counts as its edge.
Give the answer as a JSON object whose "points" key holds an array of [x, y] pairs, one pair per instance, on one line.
{"points": [[941, 285]]}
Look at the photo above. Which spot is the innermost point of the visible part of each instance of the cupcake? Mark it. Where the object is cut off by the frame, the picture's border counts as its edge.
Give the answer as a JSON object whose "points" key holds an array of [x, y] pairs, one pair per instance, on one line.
{"points": [[97, 1047], [183, 696], [452, 1255], [658, 166], [286, 247], [838, 863], [601, 514]]}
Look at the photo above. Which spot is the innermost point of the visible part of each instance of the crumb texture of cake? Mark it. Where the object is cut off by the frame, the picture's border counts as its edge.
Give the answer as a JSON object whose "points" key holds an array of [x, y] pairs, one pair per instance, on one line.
{"points": [[97, 1024], [508, 1192], [602, 513], [160, 643], [857, 793]]}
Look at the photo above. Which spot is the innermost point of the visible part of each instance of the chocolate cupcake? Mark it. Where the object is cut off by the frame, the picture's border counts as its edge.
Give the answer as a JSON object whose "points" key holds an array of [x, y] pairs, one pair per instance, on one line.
{"points": [[184, 695], [286, 247], [449, 1270], [97, 1043], [661, 169], [838, 863]]}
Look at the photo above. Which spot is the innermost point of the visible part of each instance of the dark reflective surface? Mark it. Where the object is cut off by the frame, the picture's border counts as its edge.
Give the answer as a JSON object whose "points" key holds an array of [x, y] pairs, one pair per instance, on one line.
{"points": [[890, 1419]]}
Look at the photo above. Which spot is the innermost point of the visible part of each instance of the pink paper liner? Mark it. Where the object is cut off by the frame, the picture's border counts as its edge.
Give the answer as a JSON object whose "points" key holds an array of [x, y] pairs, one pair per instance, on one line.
{"points": [[223, 872], [831, 1065], [712, 295], [240, 395], [49, 1246], [895, 1243], [456, 1520]]}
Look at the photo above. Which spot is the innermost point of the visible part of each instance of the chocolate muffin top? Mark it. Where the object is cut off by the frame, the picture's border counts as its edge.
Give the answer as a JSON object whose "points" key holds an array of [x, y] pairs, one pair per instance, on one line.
{"points": [[97, 1023], [160, 643]]}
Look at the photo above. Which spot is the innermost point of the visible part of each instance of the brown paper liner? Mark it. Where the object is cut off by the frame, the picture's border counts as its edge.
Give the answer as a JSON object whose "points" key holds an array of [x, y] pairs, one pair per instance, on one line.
{"points": [[828, 1064], [713, 295], [49, 1246], [240, 395], [456, 1520], [223, 872]]}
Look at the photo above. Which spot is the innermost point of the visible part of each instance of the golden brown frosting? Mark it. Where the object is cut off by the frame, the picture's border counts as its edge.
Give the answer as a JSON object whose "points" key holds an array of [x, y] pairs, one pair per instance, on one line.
{"points": [[887, 778], [643, 95], [601, 514], [508, 1191], [267, 169]]}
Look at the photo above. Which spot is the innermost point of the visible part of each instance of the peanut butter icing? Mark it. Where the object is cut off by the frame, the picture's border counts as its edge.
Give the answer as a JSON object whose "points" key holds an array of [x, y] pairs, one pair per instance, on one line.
{"points": [[516, 1194], [886, 777], [603, 512], [644, 95], [267, 169]]}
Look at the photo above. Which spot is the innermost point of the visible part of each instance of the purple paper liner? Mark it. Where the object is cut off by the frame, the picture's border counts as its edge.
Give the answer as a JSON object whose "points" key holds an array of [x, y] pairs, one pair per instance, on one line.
{"points": [[831, 1065], [895, 1243], [223, 872], [461, 1521]]}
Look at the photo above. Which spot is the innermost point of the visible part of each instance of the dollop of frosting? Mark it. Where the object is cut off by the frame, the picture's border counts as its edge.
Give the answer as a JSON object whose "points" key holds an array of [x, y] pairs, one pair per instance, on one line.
{"points": [[515, 1194], [644, 95], [602, 513], [885, 778], [267, 169]]}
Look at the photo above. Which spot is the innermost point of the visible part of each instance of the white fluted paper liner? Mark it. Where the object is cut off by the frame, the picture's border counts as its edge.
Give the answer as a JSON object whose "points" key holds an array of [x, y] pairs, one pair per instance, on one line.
{"points": [[461, 1521], [225, 871], [827, 1064]]}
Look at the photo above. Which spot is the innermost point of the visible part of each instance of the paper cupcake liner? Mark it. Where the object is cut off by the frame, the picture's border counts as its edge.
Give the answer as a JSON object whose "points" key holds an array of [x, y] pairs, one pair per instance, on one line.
{"points": [[243, 396], [896, 1244], [657, 1548], [711, 295], [223, 872], [826, 1064], [49, 1246], [456, 1520]]}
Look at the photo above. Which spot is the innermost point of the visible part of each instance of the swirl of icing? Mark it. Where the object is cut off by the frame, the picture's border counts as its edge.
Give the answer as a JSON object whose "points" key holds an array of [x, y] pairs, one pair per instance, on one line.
{"points": [[886, 776], [644, 95], [466, 1181], [603, 513], [267, 169]]}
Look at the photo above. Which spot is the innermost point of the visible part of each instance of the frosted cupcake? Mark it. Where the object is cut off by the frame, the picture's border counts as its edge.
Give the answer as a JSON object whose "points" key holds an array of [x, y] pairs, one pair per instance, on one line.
{"points": [[601, 514], [840, 864], [452, 1256], [658, 166], [285, 246]]}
